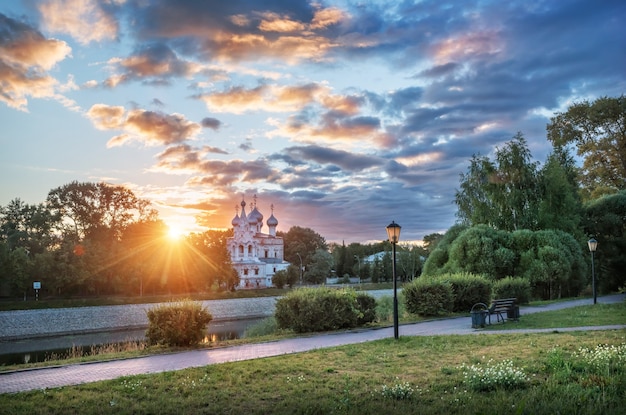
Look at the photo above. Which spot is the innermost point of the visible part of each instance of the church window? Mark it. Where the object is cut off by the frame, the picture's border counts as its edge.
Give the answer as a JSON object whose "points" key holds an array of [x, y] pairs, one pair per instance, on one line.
{"points": [[241, 249], [245, 271]]}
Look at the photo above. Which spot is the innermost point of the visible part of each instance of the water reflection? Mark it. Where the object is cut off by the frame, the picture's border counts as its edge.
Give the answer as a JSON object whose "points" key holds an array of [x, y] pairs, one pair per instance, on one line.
{"points": [[75, 345]]}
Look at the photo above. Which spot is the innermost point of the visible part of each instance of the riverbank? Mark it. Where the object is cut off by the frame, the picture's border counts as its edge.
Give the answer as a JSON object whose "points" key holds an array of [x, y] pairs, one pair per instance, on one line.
{"points": [[41, 323]]}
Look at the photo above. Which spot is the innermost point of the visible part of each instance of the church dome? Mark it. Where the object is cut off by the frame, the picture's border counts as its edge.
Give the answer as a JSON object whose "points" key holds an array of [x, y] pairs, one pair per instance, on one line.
{"points": [[255, 216], [272, 221], [235, 222]]}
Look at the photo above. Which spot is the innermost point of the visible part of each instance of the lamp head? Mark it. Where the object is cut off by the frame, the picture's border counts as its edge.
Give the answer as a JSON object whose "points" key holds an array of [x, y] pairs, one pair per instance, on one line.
{"points": [[393, 232], [593, 245]]}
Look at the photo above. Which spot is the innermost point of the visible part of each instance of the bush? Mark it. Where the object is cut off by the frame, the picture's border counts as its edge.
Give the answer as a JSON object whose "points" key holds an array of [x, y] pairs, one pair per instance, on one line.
{"points": [[468, 289], [366, 305], [428, 297], [510, 287], [318, 309], [182, 323]]}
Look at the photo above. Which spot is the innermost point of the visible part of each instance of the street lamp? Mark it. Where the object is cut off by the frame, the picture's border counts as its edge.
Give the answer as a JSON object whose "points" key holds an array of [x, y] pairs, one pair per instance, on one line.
{"points": [[593, 245], [301, 281], [393, 232]]}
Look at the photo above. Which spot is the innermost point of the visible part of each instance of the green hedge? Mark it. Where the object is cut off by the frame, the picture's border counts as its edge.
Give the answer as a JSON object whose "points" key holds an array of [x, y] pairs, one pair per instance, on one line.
{"points": [[468, 289], [181, 323], [510, 287], [428, 297], [323, 309]]}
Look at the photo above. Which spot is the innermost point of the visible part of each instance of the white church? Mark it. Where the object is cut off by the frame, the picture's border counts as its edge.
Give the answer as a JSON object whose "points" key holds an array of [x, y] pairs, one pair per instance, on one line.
{"points": [[255, 255]]}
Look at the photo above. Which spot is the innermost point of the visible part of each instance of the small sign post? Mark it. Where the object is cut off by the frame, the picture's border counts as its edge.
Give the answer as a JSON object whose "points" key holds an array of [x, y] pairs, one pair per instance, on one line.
{"points": [[37, 287]]}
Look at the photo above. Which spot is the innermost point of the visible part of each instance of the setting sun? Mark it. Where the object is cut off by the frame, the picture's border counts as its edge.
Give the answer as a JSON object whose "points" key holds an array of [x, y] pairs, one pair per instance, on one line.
{"points": [[174, 232]]}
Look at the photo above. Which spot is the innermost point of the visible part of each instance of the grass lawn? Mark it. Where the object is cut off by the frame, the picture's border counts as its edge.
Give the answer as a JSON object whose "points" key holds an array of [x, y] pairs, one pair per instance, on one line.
{"points": [[571, 373], [587, 315]]}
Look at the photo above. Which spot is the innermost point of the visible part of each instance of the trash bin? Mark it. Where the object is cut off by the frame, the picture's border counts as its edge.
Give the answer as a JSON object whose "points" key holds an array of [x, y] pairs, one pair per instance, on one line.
{"points": [[513, 313], [479, 315]]}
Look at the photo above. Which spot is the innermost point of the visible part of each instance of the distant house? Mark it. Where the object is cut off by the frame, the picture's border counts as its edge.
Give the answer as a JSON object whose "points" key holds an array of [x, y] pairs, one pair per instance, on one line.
{"points": [[255, 255], [375, 257]]}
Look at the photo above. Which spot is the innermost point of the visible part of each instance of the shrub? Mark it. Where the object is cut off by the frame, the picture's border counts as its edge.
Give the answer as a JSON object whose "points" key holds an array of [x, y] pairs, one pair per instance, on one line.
{"points": [[366, 305], [318, 309], [468, 289], [182, 323], [510, 287], [428, 297]]}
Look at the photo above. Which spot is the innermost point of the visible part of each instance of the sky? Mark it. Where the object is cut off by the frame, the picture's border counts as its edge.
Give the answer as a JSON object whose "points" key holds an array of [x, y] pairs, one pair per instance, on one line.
{"points": [[339, 115]]}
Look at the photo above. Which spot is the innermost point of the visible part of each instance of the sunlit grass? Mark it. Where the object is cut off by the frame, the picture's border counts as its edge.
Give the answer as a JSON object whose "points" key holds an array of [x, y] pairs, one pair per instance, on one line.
{"points": [[413, 375]]}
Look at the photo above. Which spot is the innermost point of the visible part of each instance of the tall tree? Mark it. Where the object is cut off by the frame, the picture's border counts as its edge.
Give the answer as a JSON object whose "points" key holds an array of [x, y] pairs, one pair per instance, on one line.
{"points": [[500, 193], [301, 243], [598, 130], [320, 266], [605, 219], [560, 206]]}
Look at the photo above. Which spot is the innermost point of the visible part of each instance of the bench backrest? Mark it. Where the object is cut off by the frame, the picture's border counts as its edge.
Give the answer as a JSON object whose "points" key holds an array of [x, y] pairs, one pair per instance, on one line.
{"points": [[502, 302]]}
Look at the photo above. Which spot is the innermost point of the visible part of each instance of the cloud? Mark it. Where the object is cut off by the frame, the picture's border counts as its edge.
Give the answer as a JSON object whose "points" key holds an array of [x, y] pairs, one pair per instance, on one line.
{"points": [[344, 159], [148, 127], [25, 57], [244, 30], [155, 63], [85, 20], [185, 159], [212, 123]]}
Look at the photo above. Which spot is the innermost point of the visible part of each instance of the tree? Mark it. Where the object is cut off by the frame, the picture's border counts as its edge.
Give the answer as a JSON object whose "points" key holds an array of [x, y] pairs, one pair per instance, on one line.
{"points": [[97, 210], [560, 206], [501, 193], [301, 243], [551, 260], [319, 269], [431, 241], [605, 220], [409, 261], [598, 130]]}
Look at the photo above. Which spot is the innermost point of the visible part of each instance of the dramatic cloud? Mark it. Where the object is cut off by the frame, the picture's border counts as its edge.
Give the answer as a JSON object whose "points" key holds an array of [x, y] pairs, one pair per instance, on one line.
{"points": [[156, 64], [245, 30], [85, 20], [336, 112], [148, 127], [25, 56]]}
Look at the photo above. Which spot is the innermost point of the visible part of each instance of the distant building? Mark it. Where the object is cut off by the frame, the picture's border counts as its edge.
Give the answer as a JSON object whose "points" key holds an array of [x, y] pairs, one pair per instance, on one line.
{"points": [[255, 255], [375, 257]]}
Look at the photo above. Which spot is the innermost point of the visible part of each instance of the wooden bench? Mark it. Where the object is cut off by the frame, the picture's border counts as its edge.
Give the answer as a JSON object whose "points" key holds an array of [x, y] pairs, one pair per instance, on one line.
{"points": [[504, 309]]}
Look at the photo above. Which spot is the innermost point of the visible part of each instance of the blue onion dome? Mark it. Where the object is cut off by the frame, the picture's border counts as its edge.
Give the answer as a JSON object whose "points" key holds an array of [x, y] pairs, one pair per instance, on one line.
{"points": [[272, 221], [235, 222], [255, 216]]}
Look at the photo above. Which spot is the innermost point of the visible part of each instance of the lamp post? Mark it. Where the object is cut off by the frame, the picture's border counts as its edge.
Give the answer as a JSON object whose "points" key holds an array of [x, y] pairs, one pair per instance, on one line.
{"points": [[301, 282], [593, 245], [393, 232], [358, 259]]}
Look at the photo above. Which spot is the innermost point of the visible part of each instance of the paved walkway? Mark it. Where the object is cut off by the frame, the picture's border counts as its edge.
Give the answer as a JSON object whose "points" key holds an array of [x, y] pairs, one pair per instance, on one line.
{"points": [[52, 377]]}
